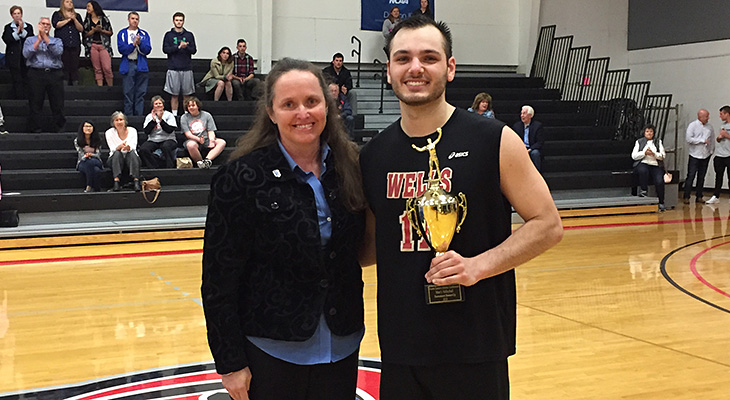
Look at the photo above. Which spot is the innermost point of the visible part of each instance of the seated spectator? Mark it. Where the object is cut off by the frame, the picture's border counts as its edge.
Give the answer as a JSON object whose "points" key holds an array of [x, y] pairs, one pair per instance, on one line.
{"points": [[341, 75], [3, 131], [217, 77], [199, 128], [344, 106], [648, 155], [482, 105], [245, 85], [159, 125], [122, 141], [531, 133], [88, 146], [98, 43]]}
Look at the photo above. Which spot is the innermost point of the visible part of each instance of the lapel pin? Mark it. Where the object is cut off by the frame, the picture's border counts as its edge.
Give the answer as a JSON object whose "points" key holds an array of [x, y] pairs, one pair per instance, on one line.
{"points": [[276, 173]]}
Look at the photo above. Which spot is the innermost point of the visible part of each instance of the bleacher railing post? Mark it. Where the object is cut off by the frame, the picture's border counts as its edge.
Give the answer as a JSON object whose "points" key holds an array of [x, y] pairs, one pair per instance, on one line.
{"points": [[358, 53]]}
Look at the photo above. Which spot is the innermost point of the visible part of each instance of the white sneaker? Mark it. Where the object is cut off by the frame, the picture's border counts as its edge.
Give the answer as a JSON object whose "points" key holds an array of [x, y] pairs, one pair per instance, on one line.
{"points": [[713, 200], [201, 164]]}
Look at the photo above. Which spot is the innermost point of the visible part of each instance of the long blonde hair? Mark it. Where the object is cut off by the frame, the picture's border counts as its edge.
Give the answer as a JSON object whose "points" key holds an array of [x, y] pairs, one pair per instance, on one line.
{"points": [[63, 12], [264, 133]]}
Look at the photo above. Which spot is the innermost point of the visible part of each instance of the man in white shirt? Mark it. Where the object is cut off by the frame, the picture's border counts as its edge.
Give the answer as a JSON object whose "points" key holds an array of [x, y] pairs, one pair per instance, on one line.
{"points": [[701, 144], [721, 162]]}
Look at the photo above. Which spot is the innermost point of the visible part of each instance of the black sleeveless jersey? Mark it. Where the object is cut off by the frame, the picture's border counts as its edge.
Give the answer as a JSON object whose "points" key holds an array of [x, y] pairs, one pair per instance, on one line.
{"points": [[482, 328]]}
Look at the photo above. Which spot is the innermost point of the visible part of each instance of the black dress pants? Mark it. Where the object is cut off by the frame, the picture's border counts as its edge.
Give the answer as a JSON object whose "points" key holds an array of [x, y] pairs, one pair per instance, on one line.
{"points": [[274, 379], [40, 83]]}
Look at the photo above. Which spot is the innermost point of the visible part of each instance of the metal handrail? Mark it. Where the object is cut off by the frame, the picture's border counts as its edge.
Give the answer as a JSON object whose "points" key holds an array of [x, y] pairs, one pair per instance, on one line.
{"points": [[358, 53], [382, 82]]}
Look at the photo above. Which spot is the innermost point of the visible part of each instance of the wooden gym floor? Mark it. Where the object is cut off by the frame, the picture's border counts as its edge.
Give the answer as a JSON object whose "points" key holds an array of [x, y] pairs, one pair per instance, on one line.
{"points": [[626, 307]]}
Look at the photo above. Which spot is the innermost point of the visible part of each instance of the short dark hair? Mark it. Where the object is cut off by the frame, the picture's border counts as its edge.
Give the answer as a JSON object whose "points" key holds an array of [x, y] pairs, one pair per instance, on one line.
{"points": [[132, 13], [417, 21], [338, 55], [240, 41], [725, 109], [178, 14], [13, 8], [649, 126]]}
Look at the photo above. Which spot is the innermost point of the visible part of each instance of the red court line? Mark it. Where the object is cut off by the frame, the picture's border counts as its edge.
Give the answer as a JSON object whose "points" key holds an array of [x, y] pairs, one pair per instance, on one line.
{"points": [[180, 252], [100, 257], [625, 224], [205, 376], [693, 268]]}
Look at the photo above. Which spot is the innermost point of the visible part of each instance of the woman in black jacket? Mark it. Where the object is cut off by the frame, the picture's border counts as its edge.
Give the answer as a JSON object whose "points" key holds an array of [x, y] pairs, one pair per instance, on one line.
{"points": [[280, 269], [14, 36]]}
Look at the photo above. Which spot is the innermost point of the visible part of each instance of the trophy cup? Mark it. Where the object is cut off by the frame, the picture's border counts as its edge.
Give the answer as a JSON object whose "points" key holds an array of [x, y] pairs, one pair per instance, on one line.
{"points": [[437, 216]]}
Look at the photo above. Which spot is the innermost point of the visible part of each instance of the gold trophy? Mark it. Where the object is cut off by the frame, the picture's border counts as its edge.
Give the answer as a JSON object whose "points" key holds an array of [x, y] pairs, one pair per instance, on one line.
{"points": [[437, 216]]}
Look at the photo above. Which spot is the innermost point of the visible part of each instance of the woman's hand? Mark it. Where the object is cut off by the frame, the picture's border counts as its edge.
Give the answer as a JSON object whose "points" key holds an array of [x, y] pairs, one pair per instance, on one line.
{"points": [[238, 383]]}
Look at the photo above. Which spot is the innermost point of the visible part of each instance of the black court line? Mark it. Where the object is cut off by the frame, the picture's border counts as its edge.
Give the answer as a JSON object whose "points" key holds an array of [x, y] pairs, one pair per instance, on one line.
{"points": [[663, 268]]}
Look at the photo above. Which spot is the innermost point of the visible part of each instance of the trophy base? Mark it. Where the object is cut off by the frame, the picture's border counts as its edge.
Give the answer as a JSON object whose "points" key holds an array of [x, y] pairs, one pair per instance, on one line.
{"points": [[444, 294]]}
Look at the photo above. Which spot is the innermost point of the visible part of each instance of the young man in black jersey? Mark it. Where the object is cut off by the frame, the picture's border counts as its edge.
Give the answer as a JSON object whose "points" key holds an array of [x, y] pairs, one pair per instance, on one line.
{"points": [[455, 349]]}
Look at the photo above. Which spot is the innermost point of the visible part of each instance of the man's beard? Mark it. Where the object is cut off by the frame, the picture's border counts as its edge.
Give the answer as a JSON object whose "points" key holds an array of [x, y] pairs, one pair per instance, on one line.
{"points": [[438, 86]]}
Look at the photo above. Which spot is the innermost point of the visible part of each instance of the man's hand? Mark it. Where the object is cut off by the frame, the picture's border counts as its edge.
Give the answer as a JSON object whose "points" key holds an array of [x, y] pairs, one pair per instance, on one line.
{"points": [[238, 383], [450, 268], [343, 89], [137, 40], [648, 152], [183, 44]]}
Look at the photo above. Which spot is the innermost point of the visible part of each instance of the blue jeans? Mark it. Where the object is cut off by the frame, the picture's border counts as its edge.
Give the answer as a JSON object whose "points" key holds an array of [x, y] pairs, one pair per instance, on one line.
{"points": [[134, 85], [536, 156], [697, 166], [656, 174], [91, 168]]}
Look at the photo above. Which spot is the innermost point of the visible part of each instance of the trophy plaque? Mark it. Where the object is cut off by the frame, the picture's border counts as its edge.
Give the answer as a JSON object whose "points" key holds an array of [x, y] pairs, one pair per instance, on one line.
{"points": [[437, 216]]}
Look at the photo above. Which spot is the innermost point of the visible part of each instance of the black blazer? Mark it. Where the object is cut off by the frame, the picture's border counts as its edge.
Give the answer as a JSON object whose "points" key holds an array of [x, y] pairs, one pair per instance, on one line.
{"points": [[537, 135], [14, 48], [265, 272]]}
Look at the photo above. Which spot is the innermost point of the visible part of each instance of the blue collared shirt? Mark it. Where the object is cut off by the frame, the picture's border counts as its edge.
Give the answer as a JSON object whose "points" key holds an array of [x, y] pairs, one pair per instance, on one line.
{"points": [[323, 346], [526, 138], [47, 55]]}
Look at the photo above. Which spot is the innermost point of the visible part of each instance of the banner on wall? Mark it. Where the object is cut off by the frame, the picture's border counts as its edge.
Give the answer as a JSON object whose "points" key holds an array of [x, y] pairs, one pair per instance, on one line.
{"points": [[119, 5], [374, 12]]}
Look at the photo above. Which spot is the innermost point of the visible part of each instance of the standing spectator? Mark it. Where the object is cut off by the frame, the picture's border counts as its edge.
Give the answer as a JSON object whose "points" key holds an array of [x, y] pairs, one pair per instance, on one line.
{"points": [[14, 36], [159, 125], [68, 27], [458, 349], [721, 162], [344, 106], [179, 45], [391, 21], [701, 141], [134, 45], [532, 135], [341, 75], [122, 142], [482, 105], [221, 69], [98, 44], [245, 85], [45, 76], [648, 156], [88, 147], [425, 9], [199, 128]]}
